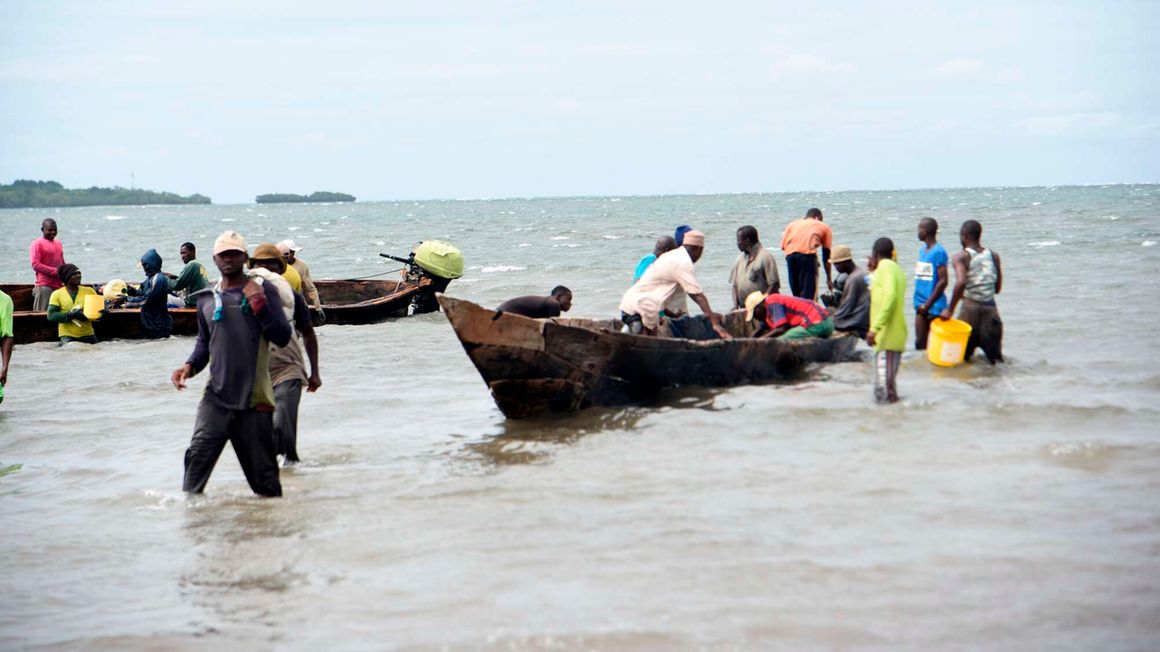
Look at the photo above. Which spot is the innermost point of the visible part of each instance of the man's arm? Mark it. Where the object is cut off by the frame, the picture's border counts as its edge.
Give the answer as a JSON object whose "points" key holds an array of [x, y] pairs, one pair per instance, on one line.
{"points": [[308, 288], [701, 300], [36, 256], [184, 279], [309, 341], [769, 267], [998, 273], [959, 260], [940, 285], [826, 264], [5, 358], [198, 359], [267, 307]]}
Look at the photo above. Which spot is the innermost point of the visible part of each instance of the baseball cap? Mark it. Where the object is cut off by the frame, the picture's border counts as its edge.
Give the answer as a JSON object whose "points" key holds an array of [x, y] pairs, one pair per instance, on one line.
{"points": [[229, 241]]}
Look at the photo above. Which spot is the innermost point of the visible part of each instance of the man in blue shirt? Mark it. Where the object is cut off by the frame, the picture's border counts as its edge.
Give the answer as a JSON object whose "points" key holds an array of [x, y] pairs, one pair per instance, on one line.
{"points": [[664, 244], [930, 280]]}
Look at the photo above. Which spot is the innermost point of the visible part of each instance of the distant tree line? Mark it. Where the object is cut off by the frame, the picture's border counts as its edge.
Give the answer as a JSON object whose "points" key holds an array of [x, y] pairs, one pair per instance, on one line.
{"points": [[24, 193], [287, 198]]}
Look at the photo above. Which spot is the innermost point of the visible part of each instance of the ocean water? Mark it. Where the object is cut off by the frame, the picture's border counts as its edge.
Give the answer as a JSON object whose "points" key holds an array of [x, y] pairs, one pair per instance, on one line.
{"points": [[1007, 507]]}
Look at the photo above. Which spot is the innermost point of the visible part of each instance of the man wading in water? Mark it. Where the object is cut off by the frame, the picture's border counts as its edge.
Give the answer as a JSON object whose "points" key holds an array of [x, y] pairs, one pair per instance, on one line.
{"points": [[234, 324]]}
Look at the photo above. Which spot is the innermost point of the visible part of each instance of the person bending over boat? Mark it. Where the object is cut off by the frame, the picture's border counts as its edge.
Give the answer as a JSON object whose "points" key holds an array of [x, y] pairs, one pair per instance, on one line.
{"points": [[853, 312], [978, 278], [671, 274], [287, 368], [664, 244], [66, 307], [193, 277], [560, 300], [790, 318], [153, 298], [235, 325]]}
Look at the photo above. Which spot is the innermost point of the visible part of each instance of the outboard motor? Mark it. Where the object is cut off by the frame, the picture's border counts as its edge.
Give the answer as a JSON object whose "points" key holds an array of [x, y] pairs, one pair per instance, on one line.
{"points": [[431, 266]]}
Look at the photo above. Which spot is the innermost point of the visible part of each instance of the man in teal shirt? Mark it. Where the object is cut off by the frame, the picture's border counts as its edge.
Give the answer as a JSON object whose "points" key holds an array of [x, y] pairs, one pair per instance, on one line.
{"points": [[193, 277], [887, 332]]}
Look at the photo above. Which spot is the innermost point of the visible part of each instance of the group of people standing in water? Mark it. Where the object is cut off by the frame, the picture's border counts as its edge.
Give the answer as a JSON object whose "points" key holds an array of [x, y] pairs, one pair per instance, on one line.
{"points": [[256, 325], [867, 302]]}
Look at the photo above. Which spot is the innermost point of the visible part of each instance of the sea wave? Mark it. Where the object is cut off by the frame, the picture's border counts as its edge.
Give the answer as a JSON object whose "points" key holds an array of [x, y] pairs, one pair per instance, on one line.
{"points": [[115, 217], [1148, 243], [502, 268], [1044, 243]]}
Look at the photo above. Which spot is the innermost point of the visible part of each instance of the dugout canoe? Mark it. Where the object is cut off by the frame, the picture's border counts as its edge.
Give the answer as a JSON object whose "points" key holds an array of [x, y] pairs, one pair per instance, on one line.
{"points": [[563, 365], [344, 301]]}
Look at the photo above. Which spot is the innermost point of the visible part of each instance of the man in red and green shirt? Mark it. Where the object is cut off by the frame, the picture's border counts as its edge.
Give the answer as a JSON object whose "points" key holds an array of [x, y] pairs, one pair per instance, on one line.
{"points": [[790, 318]]}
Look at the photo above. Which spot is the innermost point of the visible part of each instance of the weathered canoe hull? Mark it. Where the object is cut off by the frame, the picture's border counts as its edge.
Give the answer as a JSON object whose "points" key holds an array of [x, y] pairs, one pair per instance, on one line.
{"points": [[344, 301], [563, 365]]}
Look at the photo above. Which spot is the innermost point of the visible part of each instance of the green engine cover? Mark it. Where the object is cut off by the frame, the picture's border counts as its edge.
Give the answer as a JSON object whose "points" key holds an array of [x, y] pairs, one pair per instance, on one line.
{"points": [[440, 258]]}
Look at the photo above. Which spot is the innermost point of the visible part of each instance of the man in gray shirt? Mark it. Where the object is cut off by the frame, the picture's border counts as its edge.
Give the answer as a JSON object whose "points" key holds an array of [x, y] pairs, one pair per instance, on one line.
{"points": [[234, 324], [853, 313], [755, 269]]}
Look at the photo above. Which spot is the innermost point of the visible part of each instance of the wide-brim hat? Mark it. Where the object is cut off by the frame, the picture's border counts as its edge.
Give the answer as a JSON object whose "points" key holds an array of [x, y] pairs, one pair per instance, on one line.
{"points": [[751, 302], [841, 253], [267, 251]]}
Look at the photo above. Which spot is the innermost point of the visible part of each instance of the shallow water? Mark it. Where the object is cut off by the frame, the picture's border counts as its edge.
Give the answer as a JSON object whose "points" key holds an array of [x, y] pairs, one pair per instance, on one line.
{"points": [[1007, 507]]}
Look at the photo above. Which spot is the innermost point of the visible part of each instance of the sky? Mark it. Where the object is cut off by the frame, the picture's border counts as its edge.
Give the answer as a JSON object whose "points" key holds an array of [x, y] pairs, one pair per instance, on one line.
{"points": [[479, 99]]}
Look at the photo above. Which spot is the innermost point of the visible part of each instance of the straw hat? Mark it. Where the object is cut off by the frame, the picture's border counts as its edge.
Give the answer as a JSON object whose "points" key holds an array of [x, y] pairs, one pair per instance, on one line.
{"points": [[751, 302]]}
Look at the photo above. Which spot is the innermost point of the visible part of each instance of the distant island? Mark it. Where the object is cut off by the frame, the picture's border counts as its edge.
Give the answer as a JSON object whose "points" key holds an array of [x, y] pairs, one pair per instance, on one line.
{"points": [[286, 198], [24, 193]]}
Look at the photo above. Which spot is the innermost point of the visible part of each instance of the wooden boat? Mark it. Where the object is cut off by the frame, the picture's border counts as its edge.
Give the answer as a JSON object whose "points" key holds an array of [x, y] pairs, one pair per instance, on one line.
{"points": [[562, 365], [344, 301]]}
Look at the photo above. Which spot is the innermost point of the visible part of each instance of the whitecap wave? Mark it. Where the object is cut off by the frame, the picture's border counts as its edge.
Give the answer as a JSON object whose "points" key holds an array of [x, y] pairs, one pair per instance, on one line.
{"points": [[570, 245], [524, 244], [114, 218], [610, 237], [1045, 243], [502, 268], [1148, 243], [561, 237]]}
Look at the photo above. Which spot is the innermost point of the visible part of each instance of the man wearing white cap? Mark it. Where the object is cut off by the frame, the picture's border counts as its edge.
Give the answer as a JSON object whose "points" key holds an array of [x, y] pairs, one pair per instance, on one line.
{"points": [[290, 253], [671, 274], [234, 324]]}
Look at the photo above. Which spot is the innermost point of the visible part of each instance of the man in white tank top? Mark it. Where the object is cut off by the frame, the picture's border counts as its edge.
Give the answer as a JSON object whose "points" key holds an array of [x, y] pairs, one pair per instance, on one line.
{"points": [[978, 278]]}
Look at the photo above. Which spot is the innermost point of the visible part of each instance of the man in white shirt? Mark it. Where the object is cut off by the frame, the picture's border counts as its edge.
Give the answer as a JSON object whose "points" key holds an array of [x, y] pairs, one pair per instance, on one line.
{"points": [[671, 274]]}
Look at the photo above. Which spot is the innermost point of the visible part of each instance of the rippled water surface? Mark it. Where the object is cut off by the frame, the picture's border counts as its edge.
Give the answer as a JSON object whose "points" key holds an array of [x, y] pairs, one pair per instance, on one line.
{"points": [[1011, 507]]}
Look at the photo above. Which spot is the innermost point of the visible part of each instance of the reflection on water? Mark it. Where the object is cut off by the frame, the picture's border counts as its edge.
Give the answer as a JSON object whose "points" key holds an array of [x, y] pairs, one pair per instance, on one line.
{"points": [[536, 439]]}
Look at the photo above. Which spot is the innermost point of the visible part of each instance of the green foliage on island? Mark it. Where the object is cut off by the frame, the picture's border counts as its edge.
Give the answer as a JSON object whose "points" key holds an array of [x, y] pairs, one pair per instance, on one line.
{"points": [[286, 198], [24, 193]]}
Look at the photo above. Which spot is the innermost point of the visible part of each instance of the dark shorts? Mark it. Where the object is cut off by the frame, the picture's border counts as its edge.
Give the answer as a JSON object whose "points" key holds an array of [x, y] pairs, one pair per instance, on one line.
{"points": [[986, 330]]}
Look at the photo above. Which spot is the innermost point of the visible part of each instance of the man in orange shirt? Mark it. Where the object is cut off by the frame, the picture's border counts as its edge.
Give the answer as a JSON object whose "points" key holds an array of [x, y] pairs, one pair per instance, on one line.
{"points": [[800, 244]]}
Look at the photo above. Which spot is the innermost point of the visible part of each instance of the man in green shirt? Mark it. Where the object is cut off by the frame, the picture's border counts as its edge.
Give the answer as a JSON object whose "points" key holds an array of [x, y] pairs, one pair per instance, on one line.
{"points": [[887, 332], [193, 277]]}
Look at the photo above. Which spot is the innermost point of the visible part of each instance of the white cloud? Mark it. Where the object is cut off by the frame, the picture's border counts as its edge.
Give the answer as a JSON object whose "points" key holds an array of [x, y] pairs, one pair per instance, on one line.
{"points": [[960, 67], [1071, 124], [809, 64]]}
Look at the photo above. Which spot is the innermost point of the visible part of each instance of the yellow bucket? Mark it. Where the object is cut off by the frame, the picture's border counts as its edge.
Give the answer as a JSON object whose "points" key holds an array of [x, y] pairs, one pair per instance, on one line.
{"points": [[94, 304], [947, 342]]}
